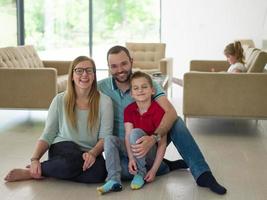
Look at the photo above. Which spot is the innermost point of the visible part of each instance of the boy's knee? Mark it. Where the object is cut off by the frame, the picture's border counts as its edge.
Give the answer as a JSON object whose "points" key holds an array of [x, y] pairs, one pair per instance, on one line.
{"points": [[136, 134]]}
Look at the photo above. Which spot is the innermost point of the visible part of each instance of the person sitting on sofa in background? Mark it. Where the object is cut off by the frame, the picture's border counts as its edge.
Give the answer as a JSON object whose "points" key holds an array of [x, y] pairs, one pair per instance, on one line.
{"points": [[117, 86], [235, 56], [76, 126]]}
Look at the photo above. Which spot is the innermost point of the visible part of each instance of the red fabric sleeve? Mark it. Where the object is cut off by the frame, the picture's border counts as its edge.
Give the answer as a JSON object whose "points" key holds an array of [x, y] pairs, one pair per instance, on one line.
{"points": [[127, 114]]}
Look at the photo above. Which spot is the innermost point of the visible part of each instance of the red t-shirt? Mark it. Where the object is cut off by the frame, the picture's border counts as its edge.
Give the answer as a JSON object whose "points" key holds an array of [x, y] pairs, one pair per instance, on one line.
{"points": [[148, 121]]}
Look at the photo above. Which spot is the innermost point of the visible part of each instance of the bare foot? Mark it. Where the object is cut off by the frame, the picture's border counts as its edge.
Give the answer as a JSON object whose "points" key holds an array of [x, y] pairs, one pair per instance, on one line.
{"points": [[18, 175]]}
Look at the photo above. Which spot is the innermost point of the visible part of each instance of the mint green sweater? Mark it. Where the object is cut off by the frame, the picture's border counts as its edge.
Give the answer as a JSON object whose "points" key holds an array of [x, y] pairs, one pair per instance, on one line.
{"points": [[58, 128]]}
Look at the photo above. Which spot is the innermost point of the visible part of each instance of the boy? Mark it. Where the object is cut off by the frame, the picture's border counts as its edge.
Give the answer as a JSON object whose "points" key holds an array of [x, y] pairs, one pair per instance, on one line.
{"points": [[142, 117]]}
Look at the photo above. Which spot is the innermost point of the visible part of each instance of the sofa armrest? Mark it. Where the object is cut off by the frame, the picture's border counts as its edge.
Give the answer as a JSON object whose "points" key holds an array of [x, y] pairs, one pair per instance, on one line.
{"points": [[165, 66], [208, 65], [27, 88], [225, 94], [62, 67]]}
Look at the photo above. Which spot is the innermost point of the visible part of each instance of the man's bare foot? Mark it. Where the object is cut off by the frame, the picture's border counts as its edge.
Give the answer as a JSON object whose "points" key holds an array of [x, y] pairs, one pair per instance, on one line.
{"points": [[18, 175]]}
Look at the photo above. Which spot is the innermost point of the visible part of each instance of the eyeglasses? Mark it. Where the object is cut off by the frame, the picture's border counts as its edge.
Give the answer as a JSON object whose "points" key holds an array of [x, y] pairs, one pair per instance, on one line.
{"points": [[79, 71]]}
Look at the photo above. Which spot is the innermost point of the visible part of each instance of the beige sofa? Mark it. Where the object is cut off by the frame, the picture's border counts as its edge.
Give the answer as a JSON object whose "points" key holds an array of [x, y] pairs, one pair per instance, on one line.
{"points": [[150, 57], [222, 94], [26, 82]]}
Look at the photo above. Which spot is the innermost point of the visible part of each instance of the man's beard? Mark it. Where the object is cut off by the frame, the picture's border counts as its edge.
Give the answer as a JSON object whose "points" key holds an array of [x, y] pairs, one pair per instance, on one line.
{"points": [[129, 73]]}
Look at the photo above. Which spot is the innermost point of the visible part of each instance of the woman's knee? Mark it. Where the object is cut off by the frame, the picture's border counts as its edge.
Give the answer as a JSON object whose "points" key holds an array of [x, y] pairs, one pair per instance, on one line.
{"points": [[62, 167]]}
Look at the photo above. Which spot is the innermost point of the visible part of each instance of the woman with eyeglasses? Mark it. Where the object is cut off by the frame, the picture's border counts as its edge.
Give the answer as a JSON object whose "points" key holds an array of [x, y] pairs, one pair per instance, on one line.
{"points": [[77, 123]]}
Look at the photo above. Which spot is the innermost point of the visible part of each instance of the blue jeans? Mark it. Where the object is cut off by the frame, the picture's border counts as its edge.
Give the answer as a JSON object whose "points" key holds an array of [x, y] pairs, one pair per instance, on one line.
{"points": [[188, 148]]}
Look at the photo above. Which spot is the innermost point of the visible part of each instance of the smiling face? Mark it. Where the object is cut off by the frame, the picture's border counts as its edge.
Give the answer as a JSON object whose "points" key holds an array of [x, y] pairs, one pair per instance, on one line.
{"points": [[120, 66], [83, 75], [141, 89]]}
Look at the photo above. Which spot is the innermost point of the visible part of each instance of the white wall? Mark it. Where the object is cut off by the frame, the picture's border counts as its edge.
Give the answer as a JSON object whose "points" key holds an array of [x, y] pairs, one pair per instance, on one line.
{"points": [[195, 29]]}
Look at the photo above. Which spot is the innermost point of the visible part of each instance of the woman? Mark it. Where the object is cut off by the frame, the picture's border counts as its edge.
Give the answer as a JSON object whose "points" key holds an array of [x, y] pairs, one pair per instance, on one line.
{"points": [[76, 126]]}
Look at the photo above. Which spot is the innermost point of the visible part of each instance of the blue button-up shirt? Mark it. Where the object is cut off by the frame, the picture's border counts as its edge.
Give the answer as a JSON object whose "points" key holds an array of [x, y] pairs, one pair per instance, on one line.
{"points": [[120, 101]]}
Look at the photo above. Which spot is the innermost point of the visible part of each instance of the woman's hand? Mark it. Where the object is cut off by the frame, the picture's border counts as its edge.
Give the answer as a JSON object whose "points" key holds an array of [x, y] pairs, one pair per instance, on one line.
{"points": [[89, 160], [132, 167], [150, 176], [35, 169]]}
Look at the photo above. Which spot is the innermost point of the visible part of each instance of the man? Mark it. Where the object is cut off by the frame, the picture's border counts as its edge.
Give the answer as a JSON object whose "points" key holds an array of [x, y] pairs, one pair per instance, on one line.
{"points": [[118, 88]]}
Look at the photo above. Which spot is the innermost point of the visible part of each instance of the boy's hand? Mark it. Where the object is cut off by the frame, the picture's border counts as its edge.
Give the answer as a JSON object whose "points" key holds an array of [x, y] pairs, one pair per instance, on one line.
{"points": [[142, 146], [132, 167], [150, 176]]}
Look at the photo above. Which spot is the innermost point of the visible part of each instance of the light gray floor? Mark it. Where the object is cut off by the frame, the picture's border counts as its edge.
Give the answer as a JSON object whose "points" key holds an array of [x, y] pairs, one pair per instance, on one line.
{"points": [[235, 149]]}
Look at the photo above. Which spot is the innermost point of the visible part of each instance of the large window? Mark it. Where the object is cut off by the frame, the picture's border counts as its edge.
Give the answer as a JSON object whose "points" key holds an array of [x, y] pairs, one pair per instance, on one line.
{"points": [[64, 29], [8, 33], [58, 28], [118, 21]]}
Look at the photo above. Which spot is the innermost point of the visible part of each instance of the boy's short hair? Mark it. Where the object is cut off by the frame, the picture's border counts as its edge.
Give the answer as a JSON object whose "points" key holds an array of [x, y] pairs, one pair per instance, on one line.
{"points": [[140, 74]]}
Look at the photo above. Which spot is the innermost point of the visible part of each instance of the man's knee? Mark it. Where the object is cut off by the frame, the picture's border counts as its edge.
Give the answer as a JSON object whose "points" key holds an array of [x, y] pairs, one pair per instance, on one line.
{"points": [[136, 133]]}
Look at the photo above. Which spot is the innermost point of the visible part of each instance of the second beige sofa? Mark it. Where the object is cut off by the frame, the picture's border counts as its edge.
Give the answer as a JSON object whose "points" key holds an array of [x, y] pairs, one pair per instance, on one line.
{"points": [[222, 94]]}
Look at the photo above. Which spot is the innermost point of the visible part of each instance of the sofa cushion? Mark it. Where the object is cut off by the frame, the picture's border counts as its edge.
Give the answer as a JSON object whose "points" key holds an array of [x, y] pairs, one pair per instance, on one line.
{"points": [[30, 56], [255, 60], [20, 57], [8, 59], [62, 81], [146, 55]]}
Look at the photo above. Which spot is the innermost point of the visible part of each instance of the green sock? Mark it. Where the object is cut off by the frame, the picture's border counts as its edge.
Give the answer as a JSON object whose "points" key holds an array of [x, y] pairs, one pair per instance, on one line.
{"points": [[137, 182], [109, 186]]}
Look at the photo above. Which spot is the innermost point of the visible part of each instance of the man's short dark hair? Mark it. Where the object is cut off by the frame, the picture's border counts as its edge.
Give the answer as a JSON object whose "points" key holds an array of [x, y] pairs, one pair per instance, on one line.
{"points": [[117, 49]]}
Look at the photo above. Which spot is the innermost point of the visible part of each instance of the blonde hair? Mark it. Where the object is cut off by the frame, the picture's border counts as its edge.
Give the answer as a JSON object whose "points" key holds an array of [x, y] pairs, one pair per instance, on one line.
{"points": [[235, 49], [70, 96]]}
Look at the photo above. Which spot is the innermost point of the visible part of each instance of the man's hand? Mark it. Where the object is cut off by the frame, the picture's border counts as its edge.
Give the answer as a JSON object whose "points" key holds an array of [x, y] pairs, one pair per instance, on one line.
{"points": [[142, 146], [89, 160]]}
